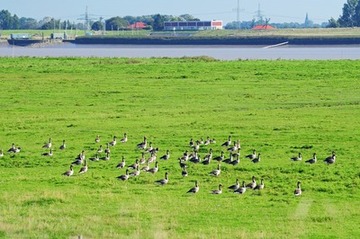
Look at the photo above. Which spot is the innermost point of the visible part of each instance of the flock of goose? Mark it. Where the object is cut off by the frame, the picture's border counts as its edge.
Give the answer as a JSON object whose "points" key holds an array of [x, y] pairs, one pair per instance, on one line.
{"points": [[146, 148]]}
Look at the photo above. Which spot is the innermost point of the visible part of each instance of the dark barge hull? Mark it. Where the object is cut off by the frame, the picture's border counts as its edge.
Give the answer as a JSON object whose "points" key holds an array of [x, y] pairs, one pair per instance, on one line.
{"points": [[24, 42]]}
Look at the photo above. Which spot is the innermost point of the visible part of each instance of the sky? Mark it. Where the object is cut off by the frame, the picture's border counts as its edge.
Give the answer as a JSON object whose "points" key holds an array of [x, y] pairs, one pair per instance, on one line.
{"points": [[278, 11]]}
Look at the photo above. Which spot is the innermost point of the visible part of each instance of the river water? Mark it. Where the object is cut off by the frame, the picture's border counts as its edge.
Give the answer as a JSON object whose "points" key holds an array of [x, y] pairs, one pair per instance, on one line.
{"points": [[220, 52]]}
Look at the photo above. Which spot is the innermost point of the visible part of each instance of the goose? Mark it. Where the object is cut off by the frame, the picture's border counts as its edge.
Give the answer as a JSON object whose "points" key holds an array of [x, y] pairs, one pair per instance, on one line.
{"points": [[154, 169], [142, 159], [95, 158], [150, 148], [77, 161], [163, 181], [81, 156], [69, 172], [235, 147], [14, 149], [330, 159], [63, 146], [152, 158], [146, 167], [196, 147], [134, 165], [260, 186], [84, 168], [97, 139], [251, 156], [297, 191], [100, 149], [166, 156], [228, 142], [122, 163], [48, 154], [182, 164], [106, 157], [228, 160], [236, 153], [201, 141], [257, 159], [107, 150], [236, 160], [1, 153], [196, 158], [47, 145], [217, 191], [242, 189], [124, 139], [113, 142], [312, 160], [208, 157], [297, 158], [143, 144], [221, 157], [125, 176], [212, 141], [207, 141], [216, 172], [252, 184], [185, 156], [194, 189], [184, 172], [136, 172], [235, 186], [191, 143]]}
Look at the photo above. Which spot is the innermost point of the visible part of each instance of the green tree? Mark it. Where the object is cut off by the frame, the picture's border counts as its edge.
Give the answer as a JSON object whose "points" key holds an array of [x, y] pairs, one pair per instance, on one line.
{"points": [[116, 23], [347, 19], [333, 23], [5, 19], [97, 26], [158, 23]]}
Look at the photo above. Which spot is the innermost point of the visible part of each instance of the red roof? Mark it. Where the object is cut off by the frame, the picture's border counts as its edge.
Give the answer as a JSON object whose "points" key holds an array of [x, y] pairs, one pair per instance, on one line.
{"points": [[263, 27], [137, 25]]}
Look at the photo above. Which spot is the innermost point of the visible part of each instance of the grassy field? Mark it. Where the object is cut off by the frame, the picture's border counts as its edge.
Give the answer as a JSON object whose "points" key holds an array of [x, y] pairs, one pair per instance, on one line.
{"points": [[279, 108]]}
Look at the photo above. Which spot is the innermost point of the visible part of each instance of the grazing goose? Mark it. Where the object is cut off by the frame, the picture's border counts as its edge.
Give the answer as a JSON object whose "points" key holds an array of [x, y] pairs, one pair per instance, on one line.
{"points": [[312, 160], [196, 158], [196, 147], [48, 154], [251, 156], [297, 191], [194, 189], [106, 157], [84, 168], [146, 167], [217, 191], [228, 142], [236, 160], [252, 184], [47, 145], [221, 157], [122, 163], [163, 181], [216, 172], [208, 157], [228, 160], [185, 156], [297, 158], [134, 165], [166, 156], [260, 186], [330, 159], [136, 172], [113, 142], [124, 139], [14, 149], [154, 169], [142, 145], [242, 189], [152, 158], [97, 139], [184, 172], [207, 141], [124, 176], [63, 146], [1, 153], [235, 186], [235, 147], [80, 158], [257, 159], [95, 158], [69, 172]]}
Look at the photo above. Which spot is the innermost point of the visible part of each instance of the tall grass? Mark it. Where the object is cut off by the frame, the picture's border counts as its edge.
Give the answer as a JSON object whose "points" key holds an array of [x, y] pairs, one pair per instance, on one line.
{"points": [[279, 108]]}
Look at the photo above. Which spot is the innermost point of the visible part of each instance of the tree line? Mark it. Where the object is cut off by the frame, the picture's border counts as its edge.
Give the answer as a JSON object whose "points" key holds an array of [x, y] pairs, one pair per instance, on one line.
{"points": [[350, 18]]}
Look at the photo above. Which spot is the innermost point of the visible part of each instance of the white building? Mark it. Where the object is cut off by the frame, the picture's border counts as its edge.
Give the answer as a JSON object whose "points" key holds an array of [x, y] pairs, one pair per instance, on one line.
{"points": [[193, 25]]}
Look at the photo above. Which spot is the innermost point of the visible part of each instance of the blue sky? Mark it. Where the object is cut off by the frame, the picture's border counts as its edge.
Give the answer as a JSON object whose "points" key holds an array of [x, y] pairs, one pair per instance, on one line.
{"points": [[277, 10]]}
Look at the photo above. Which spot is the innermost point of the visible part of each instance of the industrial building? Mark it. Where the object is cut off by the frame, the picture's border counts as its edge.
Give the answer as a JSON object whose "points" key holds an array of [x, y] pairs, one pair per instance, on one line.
{"points": [[193, 25]]}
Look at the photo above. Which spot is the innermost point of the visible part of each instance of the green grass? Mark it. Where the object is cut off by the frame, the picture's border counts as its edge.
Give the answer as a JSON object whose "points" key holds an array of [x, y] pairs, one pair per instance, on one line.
{"points": [[279, 108]]}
